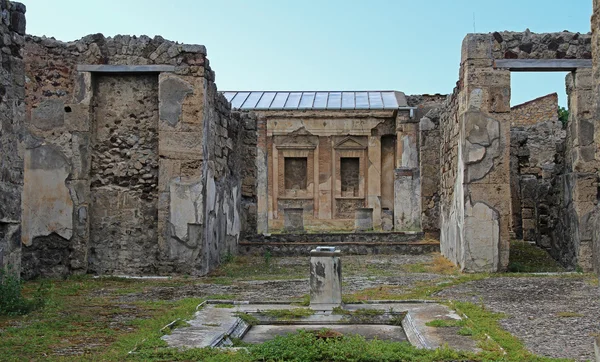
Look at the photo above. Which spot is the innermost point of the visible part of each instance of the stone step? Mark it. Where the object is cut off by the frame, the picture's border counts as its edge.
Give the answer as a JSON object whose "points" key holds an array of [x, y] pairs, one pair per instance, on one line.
{"points": [[348, 248]]}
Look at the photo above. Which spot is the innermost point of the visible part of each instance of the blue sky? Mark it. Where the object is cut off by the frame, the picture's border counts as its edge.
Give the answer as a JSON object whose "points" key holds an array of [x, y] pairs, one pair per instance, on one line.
{"points": [[412, 46]]}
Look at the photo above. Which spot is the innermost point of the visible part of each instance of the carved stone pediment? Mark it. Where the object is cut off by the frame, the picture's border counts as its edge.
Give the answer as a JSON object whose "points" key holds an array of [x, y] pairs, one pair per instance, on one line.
{"points": [[299, 139], [351, 143]]}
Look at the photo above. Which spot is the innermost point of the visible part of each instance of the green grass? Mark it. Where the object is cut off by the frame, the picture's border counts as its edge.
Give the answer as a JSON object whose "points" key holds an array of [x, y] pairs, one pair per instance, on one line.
{"points": [[527, 258], [501, 345], [87, 319]]}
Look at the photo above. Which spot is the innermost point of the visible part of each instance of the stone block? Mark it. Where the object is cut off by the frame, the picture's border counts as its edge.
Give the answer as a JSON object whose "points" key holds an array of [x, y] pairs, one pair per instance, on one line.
{"points": [[325, 278], [477, 46], [293, 219], [77, 117], [364, 219], [48, 115], [181, 145]]}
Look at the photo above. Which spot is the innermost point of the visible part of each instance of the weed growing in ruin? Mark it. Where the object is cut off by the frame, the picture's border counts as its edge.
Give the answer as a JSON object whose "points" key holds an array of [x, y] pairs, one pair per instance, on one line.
{"points": [[268, 258], [288, 314], [12, 301], [443, 323], [248, 318], [224, 305]]}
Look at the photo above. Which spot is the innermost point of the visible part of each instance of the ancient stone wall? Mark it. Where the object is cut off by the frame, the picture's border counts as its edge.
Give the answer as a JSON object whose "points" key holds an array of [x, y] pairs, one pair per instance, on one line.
{"points": [[124, 174], [535, 111], [249, 138], [596, 115], [451, 175], [140, 157], [12, 111], [528, 45], [428, 113], [475, 233], [536, 144]]}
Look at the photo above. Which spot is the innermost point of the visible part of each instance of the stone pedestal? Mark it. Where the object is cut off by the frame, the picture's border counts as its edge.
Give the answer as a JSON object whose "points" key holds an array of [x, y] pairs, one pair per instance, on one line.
{"points": [[325, 278], [387, 220], [293, 219], [364, 219]]}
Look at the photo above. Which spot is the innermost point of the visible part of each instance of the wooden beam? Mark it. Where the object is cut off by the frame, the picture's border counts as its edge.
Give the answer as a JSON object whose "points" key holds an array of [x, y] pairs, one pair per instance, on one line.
{"points": [[542, 65]]}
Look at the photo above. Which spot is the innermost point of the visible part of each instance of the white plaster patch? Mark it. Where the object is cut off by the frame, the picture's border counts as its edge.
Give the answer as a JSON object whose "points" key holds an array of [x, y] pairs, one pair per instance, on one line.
{"points": [[482, 238], [185, 206], [46, 200], [476, 152], [476, 98]]}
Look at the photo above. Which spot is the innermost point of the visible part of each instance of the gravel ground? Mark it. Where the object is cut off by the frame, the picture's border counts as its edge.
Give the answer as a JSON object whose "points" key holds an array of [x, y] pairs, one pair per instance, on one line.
{"points": [[553, 316]]}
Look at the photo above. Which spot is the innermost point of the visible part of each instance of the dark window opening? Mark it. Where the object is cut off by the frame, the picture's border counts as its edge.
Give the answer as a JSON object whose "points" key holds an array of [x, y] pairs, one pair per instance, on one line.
{"points": [[349, 170]]}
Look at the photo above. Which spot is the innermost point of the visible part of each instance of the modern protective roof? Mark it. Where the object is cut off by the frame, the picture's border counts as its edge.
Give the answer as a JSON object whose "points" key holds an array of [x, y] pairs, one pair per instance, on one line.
{"points": [[273, 100]]}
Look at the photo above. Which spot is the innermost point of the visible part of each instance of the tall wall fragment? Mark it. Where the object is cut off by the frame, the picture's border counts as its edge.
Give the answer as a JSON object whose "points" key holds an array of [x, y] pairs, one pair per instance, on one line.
{"points": [[12, 111], [476, 202], [143, 153]]}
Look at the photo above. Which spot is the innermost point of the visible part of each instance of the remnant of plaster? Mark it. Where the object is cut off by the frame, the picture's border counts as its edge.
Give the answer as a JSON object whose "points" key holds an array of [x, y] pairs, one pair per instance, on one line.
{"points": [[482, 234], [48, 114], [46, 202], [185, 206], [172, 92], [476, 152]]}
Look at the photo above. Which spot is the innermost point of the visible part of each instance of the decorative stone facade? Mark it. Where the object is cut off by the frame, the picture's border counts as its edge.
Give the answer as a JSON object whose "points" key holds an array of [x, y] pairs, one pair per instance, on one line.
{"points": [[12, 112], [331, 164]]}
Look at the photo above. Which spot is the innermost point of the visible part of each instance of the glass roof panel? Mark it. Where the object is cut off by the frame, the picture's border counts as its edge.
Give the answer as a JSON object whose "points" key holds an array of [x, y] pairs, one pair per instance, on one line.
{"points": [[321, 100], [293, 100], [307, 100], [335, 100], [229, 95], [362, 100], [252, 100], [389, 100], [279, 100], [239, 99], [348, 100], [375, 101], [265, 100]]}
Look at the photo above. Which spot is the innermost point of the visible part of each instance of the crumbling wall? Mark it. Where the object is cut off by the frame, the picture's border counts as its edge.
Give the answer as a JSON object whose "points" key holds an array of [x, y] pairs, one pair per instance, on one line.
{"points": [[142, 153], [451, 181], [249, 171], [428, 111], [571, 242], [528, 45], [222, 170], [596, 115], [124, 174], [479, 241], [537, 141], [12, 110]]}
